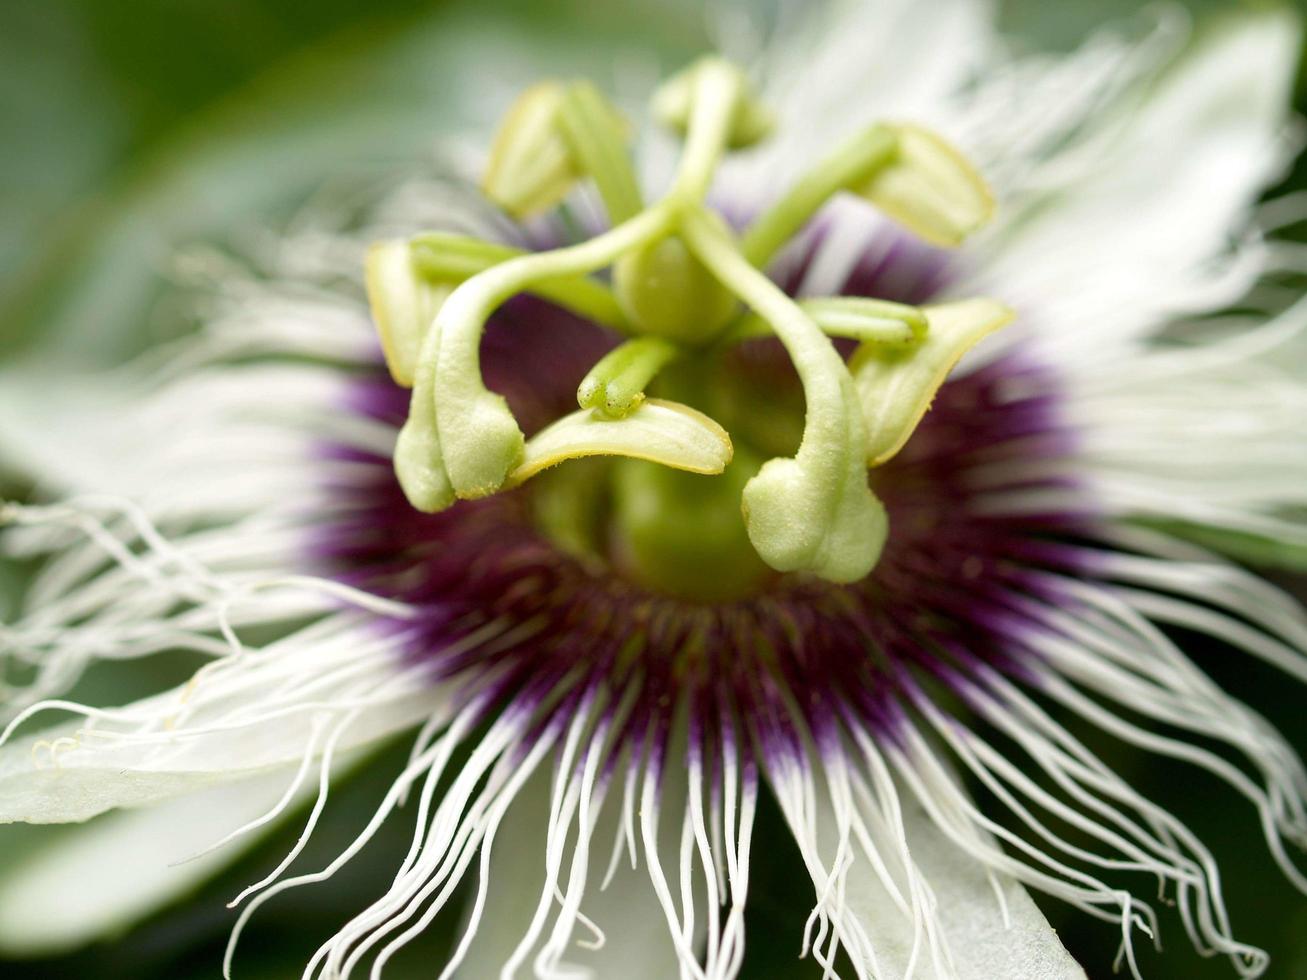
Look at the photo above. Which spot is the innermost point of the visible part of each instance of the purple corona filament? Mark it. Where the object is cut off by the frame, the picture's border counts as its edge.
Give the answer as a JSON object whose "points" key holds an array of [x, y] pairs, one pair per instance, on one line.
{"points": [[940, 602]]}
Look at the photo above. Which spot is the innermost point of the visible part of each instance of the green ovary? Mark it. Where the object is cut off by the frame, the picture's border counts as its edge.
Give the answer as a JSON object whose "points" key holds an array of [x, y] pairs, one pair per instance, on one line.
{"points": [[684, 534], [666, 292], [680, 534]]}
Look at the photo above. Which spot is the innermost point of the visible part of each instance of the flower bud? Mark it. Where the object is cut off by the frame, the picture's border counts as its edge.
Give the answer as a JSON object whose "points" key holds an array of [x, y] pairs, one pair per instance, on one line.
{"points": [[930, 188]]}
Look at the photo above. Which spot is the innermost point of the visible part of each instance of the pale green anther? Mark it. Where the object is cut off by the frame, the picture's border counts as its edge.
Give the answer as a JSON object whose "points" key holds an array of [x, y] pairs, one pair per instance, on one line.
{"points": [[408, 282], [615, 386], [662, 432], [930, 188], [449, 257], [896, 387], [869, 321], [849, 167], [674, 103], [815, 512], [596, 135], [554, 135], [479, 438], [404, 303], [531, 167]]}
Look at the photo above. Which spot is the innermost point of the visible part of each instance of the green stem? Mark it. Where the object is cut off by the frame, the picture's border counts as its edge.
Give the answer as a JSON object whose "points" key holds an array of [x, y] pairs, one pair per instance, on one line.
{"points": [[455, 258], [818, 364], [718, 88], [446, 257], [850, 165], [814, 512], [593, 135], [857, 318], [615, 386], [480, 439]]}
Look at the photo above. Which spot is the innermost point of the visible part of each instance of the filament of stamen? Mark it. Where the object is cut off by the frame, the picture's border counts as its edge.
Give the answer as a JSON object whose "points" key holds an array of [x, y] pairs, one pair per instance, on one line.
{"points": [[850, 164], [717, 92]]}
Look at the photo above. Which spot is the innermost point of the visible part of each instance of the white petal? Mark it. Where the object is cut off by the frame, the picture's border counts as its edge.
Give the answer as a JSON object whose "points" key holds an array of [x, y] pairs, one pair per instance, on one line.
{"points": [[77, 770], [875, 60], [1139, 230], [637, 944], [214, 442], [982, 946], [105, 876], [45, 435], [1243, 467]]}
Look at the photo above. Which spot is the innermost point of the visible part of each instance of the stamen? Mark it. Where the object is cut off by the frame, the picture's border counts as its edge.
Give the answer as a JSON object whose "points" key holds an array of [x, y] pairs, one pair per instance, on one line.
{"points": [[850, 165], [531, 167], [552, 137], [897, 386], [403, 305], [658, 431], [930, 189], [479, 441], [679, 276], [453, 258], [408, 283], [871, 321], [595, 133]]}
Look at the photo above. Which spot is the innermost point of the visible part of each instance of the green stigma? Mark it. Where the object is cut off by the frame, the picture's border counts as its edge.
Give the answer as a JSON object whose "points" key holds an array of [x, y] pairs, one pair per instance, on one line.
{"points": [[683, 288]]}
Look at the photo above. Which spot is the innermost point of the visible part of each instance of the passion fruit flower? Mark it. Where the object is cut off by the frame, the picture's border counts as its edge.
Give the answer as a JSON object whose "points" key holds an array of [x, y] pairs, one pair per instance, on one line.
{"points": [[805, 552]]}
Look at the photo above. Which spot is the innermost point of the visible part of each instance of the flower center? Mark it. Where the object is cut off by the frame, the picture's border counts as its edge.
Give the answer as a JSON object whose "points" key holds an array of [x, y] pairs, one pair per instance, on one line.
{"points": [[684, 290], [607, 563]]}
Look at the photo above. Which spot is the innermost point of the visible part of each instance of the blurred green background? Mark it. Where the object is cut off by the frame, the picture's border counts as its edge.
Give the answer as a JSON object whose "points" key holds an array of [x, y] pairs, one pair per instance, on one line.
{"points": [[129, 128]]}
